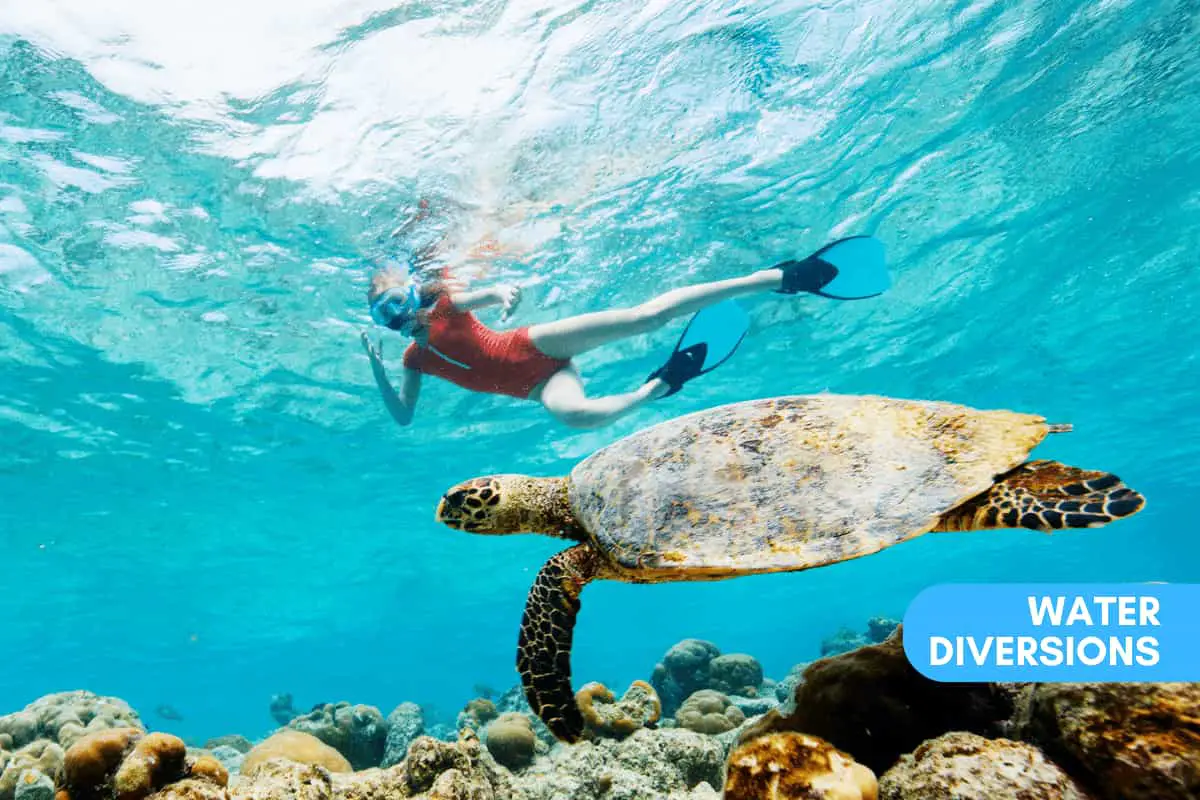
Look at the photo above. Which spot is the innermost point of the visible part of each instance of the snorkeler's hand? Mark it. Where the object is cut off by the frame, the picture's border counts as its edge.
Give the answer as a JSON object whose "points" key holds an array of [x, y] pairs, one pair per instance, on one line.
{"points": [[509, 297], [373, 352]]}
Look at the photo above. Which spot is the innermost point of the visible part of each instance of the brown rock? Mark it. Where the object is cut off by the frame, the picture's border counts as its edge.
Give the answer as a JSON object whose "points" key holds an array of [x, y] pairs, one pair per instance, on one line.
{"points": [[237, 742], [42, 757], [296, 746], [207, 768], [370, 784], [191, 789], [511, 740], [795, 766], [605, 716], [65, 717], [965, 766], [1125, 740], [157, 760], [479, 712], [476, 776], [872, 703], [358, 732], [281, 779], [709, 711], [647, 765], [92, 760]]}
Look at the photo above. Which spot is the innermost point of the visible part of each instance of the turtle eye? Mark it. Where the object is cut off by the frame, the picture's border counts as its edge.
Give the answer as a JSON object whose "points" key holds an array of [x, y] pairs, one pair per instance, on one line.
{"points": [[455, 499]]}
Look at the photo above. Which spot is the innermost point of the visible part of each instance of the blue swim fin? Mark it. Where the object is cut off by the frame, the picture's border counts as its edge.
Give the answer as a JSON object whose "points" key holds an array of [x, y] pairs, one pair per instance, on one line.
{"points": [[708, 341], [853, 268]]}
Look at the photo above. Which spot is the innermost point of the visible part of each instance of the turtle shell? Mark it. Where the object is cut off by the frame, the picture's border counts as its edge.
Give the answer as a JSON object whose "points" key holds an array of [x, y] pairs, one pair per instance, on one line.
{"points": [[790, 482]]}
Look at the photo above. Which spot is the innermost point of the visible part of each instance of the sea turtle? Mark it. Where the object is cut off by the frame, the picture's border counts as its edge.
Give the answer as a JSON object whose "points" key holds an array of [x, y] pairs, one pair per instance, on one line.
{"points": [[772, 485]]}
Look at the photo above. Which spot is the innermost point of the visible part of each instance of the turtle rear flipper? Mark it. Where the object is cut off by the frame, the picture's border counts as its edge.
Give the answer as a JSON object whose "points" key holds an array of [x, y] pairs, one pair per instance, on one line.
{"points": [[544, 646], [1046, 496]]}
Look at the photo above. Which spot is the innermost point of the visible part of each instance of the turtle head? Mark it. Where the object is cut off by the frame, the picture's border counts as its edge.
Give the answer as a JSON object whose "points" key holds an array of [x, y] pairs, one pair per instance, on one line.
{"points": [[502, 504]]}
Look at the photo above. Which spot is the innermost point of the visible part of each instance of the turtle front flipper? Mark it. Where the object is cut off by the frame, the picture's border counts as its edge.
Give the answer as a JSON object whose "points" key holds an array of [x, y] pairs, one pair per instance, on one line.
{"points": [[544, 647], [1046, 496]]}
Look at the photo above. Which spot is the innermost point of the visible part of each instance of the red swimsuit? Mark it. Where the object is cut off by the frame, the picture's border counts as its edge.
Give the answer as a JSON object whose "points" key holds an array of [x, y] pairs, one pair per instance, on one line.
{"points": [[464, 351]]}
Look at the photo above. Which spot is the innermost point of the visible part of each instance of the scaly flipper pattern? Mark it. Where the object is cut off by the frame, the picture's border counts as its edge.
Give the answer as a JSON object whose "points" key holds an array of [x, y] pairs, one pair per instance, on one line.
{"points": [[1046, 496], [547, 628]]}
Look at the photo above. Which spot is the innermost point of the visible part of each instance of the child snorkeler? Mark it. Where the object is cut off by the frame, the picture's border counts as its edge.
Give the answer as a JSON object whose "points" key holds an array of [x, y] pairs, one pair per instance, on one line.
{"points": [[534, 363]]}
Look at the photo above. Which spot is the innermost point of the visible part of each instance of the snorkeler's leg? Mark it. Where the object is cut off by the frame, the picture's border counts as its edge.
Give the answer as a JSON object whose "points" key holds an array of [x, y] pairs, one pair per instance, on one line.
{"points": [[566, 338], [564, 397]]}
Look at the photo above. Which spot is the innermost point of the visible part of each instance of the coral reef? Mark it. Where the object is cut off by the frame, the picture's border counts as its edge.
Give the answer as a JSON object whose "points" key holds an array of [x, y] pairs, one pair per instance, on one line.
{"points": [[33, 785], [284, 779], [359, 732], [1121, 740], [191, 789], [463, 769], [514, 700], [647, 765], [90, 763], [872, 703], [735, 674], [880, 628], [129, 764], [297, 746], [965, 766], [230, 758], [440, 730], [27, 765], [795, 766], [785, 690], [239, 743], [754, 706], [434, 770], [210, 770], [477, 713], [282, 710], [405, 724], [638, 708], [695, 664], [709, 711], [157, 759], [683, 670], [65, 717], [845, 640], [511, 740], [850, 717]]}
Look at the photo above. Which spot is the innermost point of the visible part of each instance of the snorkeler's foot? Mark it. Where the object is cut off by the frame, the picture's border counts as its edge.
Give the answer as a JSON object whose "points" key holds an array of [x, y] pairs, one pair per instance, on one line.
{"points": [[657, 388], [681, 367], [848, 269], [709, 340]]}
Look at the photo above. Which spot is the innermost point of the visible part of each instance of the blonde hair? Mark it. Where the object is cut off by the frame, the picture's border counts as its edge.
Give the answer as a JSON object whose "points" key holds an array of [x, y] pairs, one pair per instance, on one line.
{"points": [[386, 278]]}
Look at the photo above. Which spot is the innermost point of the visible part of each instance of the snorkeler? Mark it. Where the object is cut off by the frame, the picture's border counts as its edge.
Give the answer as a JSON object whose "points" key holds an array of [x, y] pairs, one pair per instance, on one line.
{"points": [[535, 362]]}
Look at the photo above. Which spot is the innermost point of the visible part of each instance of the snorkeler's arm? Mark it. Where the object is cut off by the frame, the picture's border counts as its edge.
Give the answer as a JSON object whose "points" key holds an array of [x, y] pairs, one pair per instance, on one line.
{"points": [[507, 295], [402, 404]]}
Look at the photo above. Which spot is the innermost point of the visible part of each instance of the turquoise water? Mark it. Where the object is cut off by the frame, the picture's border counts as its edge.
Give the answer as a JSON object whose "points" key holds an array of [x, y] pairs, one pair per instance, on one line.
{"points": [[203, 501]]}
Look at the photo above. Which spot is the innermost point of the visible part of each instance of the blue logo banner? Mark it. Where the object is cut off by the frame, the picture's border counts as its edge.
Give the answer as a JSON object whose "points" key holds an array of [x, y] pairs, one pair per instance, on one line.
{"points": [[1124, 632]]}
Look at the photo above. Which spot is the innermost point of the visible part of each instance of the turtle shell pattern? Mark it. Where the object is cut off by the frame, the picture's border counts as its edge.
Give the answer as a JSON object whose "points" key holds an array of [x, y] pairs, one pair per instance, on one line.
{"points": [[789, 483]]}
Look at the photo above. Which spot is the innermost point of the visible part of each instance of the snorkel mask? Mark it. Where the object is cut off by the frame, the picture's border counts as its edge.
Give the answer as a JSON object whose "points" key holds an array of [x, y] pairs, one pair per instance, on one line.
{"points": [[397, 307]]}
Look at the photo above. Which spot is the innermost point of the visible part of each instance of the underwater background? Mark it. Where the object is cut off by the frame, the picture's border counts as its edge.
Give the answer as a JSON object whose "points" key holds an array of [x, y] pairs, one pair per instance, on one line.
{"points": [[204, 503]]}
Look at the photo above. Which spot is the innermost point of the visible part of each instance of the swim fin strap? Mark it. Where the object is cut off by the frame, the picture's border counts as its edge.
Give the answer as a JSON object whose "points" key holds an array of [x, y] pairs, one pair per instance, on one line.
{"points": [[708, 341], [853, 268]]}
